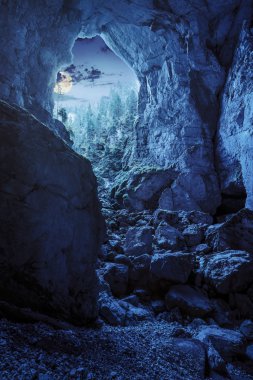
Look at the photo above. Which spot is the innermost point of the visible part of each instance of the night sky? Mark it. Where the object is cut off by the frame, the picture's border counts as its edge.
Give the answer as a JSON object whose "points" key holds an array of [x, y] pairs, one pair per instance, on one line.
{"points": [[94, 72]]}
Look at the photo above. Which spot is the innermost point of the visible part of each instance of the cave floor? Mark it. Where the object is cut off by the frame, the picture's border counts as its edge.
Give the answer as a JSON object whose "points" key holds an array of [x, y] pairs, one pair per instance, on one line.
{"points": [[144, 351]]}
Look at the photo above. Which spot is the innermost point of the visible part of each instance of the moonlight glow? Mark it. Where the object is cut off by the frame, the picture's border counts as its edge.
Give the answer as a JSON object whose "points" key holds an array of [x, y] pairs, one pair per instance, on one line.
{"points": [[94, 72], [64, 83]]}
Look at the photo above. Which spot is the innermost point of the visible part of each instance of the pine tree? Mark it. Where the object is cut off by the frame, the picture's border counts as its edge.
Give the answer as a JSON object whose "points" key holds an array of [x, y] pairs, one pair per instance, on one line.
{"points": [[63, 115]]}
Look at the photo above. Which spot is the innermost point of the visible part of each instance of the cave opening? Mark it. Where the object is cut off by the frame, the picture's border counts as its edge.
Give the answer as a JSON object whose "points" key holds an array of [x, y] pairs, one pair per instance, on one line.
{"points": [[96, 99]]}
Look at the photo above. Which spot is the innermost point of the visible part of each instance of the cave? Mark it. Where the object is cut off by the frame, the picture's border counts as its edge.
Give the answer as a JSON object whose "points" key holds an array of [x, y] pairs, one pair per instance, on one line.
{"points": [[145, 251]]}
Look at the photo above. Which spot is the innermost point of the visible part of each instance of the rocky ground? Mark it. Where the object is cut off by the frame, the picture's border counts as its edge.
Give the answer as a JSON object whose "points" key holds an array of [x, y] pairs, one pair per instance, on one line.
{"points": [[148, 350], [176, 302]]}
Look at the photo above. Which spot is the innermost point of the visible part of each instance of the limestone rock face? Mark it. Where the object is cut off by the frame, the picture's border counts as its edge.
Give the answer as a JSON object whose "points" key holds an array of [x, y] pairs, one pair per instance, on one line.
{"points": [[50, 221], [234, 138], [180, 53]]}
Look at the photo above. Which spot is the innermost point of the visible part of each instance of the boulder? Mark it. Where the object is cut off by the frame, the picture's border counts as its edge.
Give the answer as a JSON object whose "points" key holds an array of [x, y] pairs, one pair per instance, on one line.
{"points": [[138, 241], [188, 193], [235, 233], [193, 234], [228, 343], [175, 267], [139, 271], [116, 275], [186, 353], [111, 311], [135, 314], [168, 237], [229, 271], [140, 188], [51, 227], [182, 219], [189, 300]]}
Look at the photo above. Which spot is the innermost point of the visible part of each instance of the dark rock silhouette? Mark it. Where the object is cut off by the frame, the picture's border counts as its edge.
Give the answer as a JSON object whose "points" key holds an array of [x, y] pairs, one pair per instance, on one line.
{"points": [[51, 226]]}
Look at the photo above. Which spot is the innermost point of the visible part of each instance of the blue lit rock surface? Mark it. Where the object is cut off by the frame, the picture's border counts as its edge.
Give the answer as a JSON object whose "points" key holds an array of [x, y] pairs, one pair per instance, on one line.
{"points": [[235, 233], [180, 53], [234, 137], [174, 267], [51, 226], [189, 300], [191, 152], [228, 271], [228, 343]]}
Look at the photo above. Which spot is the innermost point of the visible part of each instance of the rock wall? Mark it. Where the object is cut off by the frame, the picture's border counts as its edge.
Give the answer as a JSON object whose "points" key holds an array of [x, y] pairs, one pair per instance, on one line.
{"points": [[234, 137], [180, 51], [180, 54], [50, 222]]}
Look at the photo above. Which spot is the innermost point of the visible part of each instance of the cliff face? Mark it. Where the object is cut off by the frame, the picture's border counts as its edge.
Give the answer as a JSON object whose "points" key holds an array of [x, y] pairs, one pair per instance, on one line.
{"points": [[234, 138], [180, 50]]}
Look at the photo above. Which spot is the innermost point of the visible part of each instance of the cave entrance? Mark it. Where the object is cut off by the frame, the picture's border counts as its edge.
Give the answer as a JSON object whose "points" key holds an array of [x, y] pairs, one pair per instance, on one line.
{"points": [[96, 98]]}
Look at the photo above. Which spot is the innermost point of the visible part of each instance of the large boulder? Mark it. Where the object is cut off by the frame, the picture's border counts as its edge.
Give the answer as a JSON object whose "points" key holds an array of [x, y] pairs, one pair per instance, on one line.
{"points": [[138, 241], [228, 343], [50, 220], [193, 234], [235, 233], [141, 187], [175, 267], [189, 300], [188, 193], [169, 237], [229, 271]]}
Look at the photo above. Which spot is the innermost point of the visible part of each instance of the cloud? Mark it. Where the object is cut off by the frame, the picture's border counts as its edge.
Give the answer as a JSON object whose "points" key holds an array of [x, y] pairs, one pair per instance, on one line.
{"points": [[98, 84], [66, 98], [81, 73], [93, 74]]}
